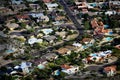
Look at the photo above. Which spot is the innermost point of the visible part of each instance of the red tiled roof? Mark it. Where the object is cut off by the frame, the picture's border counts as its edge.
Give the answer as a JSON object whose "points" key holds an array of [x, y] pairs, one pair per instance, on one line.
{"points": [[22, 16], [89, 58], [94, 23], [117, 46], [86, 39], [109, 68], [65, 66]]}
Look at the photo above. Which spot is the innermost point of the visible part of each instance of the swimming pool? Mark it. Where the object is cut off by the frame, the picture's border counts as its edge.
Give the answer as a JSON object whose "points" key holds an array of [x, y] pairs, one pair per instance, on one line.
{"points": [[9, 51], [108, 39], [40, 66], [106, 26]]}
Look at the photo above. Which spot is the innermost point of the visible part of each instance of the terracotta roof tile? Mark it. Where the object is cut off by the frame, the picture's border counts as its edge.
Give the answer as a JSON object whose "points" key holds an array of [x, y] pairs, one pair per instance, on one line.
{"points": [[65, 66], [109, 68]]}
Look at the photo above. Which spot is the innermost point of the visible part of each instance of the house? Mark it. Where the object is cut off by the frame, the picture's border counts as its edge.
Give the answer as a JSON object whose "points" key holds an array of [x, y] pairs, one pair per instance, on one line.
{"points": [[3, 47], [19, 7], [17, 2], [57, 22], [18, 36], [22, 18], [86, 40], [77, 44], [31, 0], [24, 66], [117, 46], [114, 4], [61, 34], [110, 70], [108, 32], [94, 23], [2, 34], [83, 6], [56, 72], [58, 18], [40, 17], [63, 51], [72, 48], [12, 26], [107, 39], [47, 31], [41, 63], [33, 40], [91, 5], [50, 56], [5, 11], [47, 1], [110, 13], [50, 39], [34, 6], [69, 69], [10, 19], [98, 57], [10, 51], [51, 6], [99, 28]]}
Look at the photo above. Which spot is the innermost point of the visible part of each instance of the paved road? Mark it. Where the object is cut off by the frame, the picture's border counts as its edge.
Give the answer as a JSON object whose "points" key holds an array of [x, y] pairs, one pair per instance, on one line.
{"points": [[71, 16]]}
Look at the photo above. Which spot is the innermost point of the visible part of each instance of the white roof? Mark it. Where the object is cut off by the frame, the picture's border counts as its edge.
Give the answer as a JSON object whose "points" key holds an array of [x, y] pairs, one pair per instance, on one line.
{"points": [[32, 0], [16, 67], [101, 54], [51, 5], [47, 31], [32, 40], [36, 14], [23, 65], [77, 44], [16, 1], [39, 40], [108, 52], [110, 12], [70, 70]]}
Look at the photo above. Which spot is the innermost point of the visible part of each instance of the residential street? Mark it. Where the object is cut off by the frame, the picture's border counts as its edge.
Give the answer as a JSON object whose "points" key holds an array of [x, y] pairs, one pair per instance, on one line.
{"points": [[71, 16]]}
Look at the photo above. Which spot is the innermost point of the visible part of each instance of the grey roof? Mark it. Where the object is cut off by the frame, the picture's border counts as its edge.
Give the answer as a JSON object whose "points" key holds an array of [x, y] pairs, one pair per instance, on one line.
{"points": [[49, 55], [49, 38], [2, 34], [2, 47]]}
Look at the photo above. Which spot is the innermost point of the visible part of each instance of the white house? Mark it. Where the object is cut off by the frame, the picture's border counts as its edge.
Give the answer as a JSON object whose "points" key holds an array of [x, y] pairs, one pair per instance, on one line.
{"points": [[110, 13], [77, 44], [51, 6], [31, 0], [69, 69], [24, 66], [40, 17], [34, 40], [47, 31], [17, 1]]}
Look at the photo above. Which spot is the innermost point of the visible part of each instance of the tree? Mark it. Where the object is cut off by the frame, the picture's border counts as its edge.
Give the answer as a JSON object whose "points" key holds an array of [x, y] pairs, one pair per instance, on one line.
{"points": [[23, 25], [60, 7], [87, 25], [85, 16], [42, 74]]}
